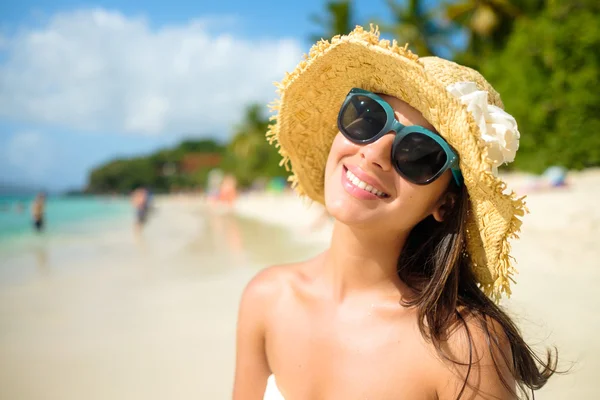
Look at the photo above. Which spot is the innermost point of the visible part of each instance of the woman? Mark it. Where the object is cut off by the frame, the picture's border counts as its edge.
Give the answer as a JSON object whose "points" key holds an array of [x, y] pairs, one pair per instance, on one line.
{"points": [[401, 305]]}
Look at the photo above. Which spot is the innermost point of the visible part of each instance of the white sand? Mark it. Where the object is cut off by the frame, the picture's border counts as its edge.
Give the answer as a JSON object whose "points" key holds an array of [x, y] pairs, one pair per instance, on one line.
{"points": [[556, 299], [108, 316], [306, 221]]}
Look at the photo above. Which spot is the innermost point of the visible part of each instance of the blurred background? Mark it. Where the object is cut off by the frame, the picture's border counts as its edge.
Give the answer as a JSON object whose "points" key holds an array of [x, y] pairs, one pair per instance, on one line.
{"points": [[138, 194]]}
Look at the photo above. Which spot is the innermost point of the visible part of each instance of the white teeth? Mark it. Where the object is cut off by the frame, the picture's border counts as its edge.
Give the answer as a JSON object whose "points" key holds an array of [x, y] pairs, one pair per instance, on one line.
{"points": [[363, 185]]}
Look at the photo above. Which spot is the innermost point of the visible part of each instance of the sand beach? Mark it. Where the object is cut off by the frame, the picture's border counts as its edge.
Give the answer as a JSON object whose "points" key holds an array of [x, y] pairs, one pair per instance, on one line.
{"points": [[108, 314]]}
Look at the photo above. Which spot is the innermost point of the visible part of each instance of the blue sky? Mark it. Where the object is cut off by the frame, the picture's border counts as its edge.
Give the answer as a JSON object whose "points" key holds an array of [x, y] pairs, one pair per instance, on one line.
{"points": [[82, 83]]}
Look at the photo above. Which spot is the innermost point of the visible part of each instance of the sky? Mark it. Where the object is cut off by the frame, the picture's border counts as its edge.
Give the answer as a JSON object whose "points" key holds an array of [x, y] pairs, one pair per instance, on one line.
{"points": [[82, 83]]}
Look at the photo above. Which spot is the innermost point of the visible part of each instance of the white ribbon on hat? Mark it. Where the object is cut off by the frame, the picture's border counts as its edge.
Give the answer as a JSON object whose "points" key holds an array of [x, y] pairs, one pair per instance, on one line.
{"points": [[498, 128]]}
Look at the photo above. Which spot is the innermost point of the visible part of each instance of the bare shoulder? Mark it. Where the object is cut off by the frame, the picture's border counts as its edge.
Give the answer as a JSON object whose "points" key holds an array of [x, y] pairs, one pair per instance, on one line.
{"points": [[270, 281], [259, 301], [479, 360], [271, 284]]}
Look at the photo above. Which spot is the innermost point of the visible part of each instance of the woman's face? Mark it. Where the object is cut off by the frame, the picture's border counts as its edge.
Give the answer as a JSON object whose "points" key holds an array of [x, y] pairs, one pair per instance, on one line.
{"points": [[403, 205]]}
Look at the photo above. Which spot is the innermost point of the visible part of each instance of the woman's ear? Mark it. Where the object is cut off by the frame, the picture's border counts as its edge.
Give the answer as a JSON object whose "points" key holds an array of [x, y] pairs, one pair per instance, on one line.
{"points": [[444, 206]]}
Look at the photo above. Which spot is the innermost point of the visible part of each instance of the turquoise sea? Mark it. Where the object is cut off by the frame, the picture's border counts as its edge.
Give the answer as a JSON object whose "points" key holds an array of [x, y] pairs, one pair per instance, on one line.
{"points": [[65, 215]]}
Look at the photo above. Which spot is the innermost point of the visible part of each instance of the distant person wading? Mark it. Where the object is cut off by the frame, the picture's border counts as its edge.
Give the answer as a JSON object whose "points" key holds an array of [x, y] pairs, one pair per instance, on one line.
{"points": [[37, 212], [140, 199]]}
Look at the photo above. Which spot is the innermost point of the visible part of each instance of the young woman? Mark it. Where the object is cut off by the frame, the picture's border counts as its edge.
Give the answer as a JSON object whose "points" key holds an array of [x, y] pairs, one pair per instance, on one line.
{"points": [[402, 304]]}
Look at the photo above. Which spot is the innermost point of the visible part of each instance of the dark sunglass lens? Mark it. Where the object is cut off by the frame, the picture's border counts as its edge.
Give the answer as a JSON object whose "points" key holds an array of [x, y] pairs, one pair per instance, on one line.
{"points": [[419, 157], [362, 118]]}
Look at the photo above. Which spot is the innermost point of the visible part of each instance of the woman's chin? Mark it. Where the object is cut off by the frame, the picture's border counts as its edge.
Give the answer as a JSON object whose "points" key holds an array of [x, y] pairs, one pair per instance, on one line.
{"points": [[347, 211]]}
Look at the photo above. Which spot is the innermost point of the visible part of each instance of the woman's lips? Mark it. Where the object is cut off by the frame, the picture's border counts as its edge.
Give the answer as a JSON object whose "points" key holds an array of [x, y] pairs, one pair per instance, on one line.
{"points": [[358, 192]]}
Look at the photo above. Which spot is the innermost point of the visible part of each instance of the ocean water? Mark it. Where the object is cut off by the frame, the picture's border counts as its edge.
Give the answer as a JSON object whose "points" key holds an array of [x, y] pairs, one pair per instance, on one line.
{"points": [[65, 215]]}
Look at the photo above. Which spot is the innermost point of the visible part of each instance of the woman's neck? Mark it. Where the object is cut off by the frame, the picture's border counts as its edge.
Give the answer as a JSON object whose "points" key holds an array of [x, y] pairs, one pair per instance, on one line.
{"points": [[362, 260]]}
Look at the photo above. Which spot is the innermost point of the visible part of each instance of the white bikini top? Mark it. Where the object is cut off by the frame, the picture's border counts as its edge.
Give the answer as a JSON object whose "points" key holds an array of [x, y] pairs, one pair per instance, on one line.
{"points": [[272, 391]]}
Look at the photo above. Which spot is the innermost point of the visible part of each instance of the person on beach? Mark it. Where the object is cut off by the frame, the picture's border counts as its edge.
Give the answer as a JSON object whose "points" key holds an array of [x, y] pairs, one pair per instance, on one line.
{"points": [[140, 198], [403, 152], [38, 209], [213, 185], [228, 190]]}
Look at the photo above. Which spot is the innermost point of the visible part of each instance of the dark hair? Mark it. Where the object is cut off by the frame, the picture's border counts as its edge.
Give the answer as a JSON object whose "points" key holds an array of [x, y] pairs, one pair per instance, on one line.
{"points": [[436, 266]]}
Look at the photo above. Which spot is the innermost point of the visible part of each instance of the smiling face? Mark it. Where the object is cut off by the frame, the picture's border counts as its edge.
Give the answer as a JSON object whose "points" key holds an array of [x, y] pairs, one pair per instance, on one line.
{"points": [[362, 187]]}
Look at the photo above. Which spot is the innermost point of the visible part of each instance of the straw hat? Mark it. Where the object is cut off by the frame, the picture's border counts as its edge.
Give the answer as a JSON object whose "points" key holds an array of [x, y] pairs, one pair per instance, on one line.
{"points": [[463, 107]]}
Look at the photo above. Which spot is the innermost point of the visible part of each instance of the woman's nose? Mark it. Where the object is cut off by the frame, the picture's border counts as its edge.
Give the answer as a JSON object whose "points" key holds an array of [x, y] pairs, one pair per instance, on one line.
{"points": [[378, 153]]}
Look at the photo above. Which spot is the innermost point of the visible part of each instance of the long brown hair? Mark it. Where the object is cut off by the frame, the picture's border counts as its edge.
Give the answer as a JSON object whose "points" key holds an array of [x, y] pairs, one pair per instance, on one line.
{"points": [[436, 266]]}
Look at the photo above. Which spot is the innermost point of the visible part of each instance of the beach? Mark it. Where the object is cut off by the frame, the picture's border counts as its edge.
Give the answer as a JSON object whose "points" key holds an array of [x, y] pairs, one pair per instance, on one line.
{"points": [[116, 315], [105, 313]]}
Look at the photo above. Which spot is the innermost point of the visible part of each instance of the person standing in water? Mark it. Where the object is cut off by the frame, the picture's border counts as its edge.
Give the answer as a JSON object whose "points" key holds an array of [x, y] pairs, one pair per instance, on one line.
{"points": [[38, 210], [140, 201]]}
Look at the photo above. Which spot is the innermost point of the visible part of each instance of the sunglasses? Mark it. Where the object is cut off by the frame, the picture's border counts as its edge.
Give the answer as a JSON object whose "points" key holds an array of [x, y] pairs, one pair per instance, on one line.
{"points": [[418, 155]]}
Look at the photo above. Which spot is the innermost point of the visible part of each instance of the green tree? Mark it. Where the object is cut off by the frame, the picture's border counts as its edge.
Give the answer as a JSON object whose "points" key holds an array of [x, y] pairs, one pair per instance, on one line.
{"points": [[419, 26], [159, 171], [249, 156], [483, 18], [338, 20], [123, 175], [487, 23], [549, 75]]}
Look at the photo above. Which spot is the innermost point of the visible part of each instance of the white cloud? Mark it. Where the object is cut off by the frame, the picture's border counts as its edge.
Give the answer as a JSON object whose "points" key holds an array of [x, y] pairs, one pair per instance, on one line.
{"points": [[29, 153], [103, 71]]}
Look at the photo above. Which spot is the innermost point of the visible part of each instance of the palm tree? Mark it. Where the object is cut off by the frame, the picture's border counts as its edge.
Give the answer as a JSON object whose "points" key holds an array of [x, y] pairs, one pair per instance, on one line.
{"points": [[249, 156], [255, 123], [338, 20], [249, 135], [420, 27], [488, 22]]}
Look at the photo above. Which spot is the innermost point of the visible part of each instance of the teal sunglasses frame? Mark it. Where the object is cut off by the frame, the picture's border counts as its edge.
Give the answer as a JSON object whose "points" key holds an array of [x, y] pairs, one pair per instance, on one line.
{"points": [[401, 131]]}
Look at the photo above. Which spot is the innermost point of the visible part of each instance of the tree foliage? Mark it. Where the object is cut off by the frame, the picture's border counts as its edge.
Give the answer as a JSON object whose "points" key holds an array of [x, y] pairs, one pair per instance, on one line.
{"points": [[249, 156], [418, 25], [338, 19], [153, 171], [548, 75]]}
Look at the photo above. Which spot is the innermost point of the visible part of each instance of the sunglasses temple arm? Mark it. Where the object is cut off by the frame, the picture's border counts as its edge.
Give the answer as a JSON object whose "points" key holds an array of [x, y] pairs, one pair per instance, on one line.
{"points": [[458, 178]]}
